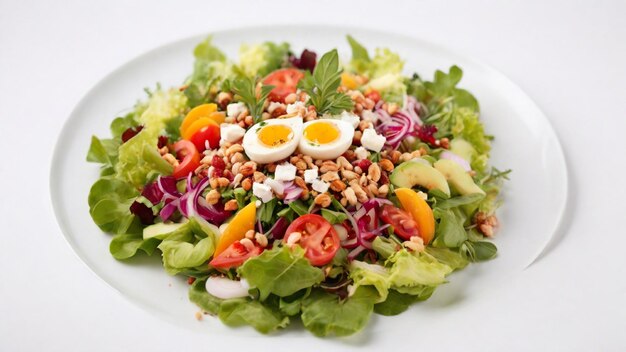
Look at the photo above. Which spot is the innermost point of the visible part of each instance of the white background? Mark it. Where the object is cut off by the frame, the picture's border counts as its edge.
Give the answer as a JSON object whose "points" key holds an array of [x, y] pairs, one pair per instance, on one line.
{"points": [[570, 57]]}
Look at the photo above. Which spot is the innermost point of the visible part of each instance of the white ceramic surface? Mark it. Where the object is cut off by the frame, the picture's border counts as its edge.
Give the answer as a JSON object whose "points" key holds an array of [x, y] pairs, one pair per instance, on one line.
{"points": [[525, 142]]}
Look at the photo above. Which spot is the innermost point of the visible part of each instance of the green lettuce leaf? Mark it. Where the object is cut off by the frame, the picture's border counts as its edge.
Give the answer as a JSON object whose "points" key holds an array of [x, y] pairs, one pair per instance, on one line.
{"points": [[363, 274], [261, 59], [411, 272], [126, 246], [449, 232], [238, 311], [109, 204], [325, 314], [395, 303], [281, 271], [448, 257], [180, 254]]}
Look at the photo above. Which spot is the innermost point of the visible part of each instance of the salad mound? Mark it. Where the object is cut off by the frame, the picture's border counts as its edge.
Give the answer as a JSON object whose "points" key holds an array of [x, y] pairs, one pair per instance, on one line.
{"points": [[288, 186]]}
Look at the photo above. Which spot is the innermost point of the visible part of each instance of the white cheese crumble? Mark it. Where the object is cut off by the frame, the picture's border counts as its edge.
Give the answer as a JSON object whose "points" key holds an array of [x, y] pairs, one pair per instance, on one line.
{"points": [[310, 175], [350, 118], [370, 116], [320, 185], [276, 186], [295, 107], [285, 172], [372, 141], [263, 192], [230, 132], [361, 153], [235, 109]]}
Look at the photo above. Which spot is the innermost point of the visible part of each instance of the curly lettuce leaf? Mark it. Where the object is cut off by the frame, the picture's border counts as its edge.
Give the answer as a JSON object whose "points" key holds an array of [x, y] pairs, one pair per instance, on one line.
{"points": [[109, 204], [281, 271], [210, 70], [364, 274], [238, 311], [139, 160], [180, 254], [411, 271], [325, 314], [395, 303], [261, 59], [468, 126]]}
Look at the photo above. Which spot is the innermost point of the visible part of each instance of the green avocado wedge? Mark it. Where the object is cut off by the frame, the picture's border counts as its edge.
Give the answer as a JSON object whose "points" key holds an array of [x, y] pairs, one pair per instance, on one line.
{"points": [[416, 173], [457, 177]]}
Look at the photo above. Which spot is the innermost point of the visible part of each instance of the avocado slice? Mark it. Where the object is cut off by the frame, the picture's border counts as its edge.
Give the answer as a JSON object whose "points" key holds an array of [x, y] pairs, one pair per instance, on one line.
{"points": [[458, 178], [462, 148], [412, 173], [167, 230]]}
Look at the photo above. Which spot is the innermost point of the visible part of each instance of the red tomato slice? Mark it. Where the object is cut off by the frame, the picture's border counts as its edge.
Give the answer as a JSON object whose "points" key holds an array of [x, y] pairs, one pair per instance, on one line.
{"points": [[235, 255], [284, 81], [189, 156], [210, 133], [402, 222], [319, 239]]}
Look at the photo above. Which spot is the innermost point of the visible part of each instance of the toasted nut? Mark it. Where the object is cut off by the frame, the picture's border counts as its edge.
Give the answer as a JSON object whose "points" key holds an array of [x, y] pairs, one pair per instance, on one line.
{"points": [[293, 238], [357, 170], [383, 190], [318, 162], [246, 184], [249, 120], [237, 180], [343, 201], [372, 190], [213, 197], [361, 196], [305, 194], [265, 116], [350, 155], [373, 172], [486, 229], [291, 98], [171, 160], [214, 183], [261, 239], [492, 220], [363, 181], [246, 242], [258, 176], [223, 181], [270, 167], [235, 167], [395, 156], [299, 181], [235, 148], [369, 104], [416, 154], [344, 164], [363, 125], [310, 116], [278, 111], [350, 196], [356, 139], [237, 158], [445, 143], [423, 151], [301, 165], [386, 165], [248, 168], [231, 205], [224, 98], [309, 161], [322, 200], [249, 234], [406, 157], [392, 108], [337, 185], [164, 150], [330, 176], [416, 244], [328, 166], [349, 175]]}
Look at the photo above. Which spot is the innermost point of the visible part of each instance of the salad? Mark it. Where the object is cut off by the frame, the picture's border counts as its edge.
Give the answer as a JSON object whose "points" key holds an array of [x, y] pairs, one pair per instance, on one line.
{"points": [[301, 186]]}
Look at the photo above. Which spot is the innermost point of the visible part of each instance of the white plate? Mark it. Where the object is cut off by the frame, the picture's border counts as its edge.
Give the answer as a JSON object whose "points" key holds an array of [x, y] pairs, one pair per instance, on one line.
{"points": [[535, 197]]}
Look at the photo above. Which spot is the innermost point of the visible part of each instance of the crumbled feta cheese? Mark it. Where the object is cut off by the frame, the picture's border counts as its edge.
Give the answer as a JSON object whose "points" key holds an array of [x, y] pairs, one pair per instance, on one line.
{"points": [[276, 186], [285, 172], [320, 185], [361, 153], [235, 109], [370, 116], [273, 106], [310, 175], [295, 107], [263, 192], [350, 118], [372, 141], [230, 132]]}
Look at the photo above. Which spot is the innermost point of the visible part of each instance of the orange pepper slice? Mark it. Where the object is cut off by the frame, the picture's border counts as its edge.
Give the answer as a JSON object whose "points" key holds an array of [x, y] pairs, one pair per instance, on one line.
{"points": [[240, 224], [420, 211], [199, 111]]}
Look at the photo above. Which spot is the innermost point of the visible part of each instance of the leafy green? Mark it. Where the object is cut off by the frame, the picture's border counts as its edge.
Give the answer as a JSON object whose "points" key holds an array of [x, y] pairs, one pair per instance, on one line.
{"points": [[299, 207], [363, 274], [478, 251], [334, 217], [448, 257], [179, 254], [121, 124], [322, 86], [281, 271], [238, 311], [449, 231], [395, 303], [109, 204], [261, 59], [450, 203], [324, 314], [385, 247], [125, 246], [360, 56], [266, 211], [409, 271], [246, 89], [467, 125]]}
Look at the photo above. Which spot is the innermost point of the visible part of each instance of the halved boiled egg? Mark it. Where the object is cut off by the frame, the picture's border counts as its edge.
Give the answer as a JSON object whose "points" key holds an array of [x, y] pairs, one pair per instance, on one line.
{"points": [[272, 140], [326, 138]]}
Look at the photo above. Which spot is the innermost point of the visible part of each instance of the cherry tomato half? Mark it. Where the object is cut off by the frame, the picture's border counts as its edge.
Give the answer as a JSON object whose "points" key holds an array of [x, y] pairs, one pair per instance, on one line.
{"points": [[234, 255], [189, 158], [318, 238], [402, 222], [210, 133], [284, 81]]}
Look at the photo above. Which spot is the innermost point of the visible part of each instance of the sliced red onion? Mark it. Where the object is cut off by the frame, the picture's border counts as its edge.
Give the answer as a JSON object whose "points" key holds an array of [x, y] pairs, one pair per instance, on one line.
{"points": [[169, 209], [277, 231], [456, 158], [167, 185], [225, 288]]}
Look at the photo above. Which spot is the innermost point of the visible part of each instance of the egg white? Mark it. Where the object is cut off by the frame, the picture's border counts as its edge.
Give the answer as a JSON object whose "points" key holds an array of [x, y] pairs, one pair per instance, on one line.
{"points": [[330, 150], [258, 152]]}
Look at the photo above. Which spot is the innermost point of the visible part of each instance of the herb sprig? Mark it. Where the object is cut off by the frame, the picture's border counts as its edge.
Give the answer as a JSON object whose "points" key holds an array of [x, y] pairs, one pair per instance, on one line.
{"points": [[322, 86], [247, 91]]}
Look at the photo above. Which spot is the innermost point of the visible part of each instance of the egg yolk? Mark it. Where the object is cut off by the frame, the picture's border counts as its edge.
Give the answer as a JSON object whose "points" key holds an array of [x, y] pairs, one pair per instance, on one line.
{"points": [[275, 135], [321, 132]]}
